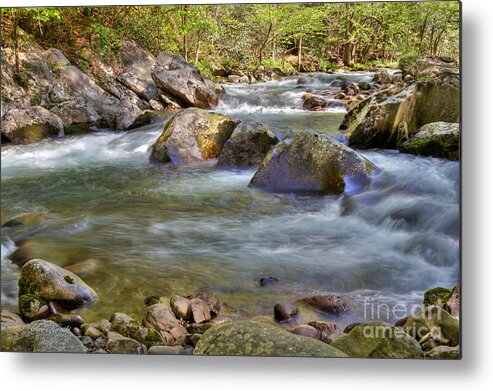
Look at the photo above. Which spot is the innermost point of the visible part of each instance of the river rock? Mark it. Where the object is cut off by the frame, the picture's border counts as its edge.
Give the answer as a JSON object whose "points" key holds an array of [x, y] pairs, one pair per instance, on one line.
{"points": [[433, 324], [325, 330], [264, 281], [453, 302], [351, 326], [151, 300], [30, 124], [67, 320], [329, 303], [443, 353], [160, 320], [429, 66], [51, 282], [312, 162], [192, 135], [438, 139], [284, 312], [373, 122], [137, 76], [10, 318], [181, 307], [248, 145], [128, 327], [307, 331], [378, 340], [33, 307], [119, 344], [249, 338], [182, 81], [166, 350], [313, 102], [351, 89], [381, 76], [210, 299], [200, 311], [40, 336]]}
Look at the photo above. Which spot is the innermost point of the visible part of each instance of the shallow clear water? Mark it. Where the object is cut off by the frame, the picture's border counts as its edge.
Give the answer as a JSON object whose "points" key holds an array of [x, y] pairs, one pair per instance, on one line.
{"points": [[133, 229]]}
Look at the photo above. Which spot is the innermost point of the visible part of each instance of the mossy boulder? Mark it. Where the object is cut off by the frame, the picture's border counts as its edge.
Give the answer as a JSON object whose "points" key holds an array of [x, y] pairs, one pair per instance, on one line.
{"points": [[437, 296], [247, 146], [30, 124], [428, 66], [249, 338], [438, 139], [373, 123], [444, 353], [40, 336], [378, 340], [433, 324], [192, 135], [33, 307], [312, 163], [51, 282], [119, 344]]}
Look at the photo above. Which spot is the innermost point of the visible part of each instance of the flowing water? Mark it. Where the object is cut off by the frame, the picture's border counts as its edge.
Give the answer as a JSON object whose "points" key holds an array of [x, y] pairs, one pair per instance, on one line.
{"points": [[132, 229]]}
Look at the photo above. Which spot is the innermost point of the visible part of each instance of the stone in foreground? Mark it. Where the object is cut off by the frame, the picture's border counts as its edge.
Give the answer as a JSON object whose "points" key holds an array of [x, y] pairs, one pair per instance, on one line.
{"points": [[40, 336], [378, 340], [51, 282], [312, 163], [437, 139], [192, 135], [248, 338]]}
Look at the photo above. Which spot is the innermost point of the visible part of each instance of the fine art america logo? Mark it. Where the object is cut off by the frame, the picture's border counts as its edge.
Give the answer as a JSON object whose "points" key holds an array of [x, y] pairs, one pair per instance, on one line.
{"points": [[424, 323]]}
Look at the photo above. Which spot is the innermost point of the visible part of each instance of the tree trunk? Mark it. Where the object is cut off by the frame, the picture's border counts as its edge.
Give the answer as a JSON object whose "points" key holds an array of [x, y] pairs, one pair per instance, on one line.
{"points": [[197, 52], [185, 40]]}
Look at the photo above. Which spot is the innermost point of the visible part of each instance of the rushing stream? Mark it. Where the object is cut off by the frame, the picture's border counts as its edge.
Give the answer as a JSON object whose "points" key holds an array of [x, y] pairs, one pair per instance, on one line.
{"points": [[131, 229]]}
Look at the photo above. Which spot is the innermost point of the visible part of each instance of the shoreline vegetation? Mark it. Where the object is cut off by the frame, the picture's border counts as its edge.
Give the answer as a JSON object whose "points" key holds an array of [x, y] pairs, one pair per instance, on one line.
{"points": [[112, 74]]}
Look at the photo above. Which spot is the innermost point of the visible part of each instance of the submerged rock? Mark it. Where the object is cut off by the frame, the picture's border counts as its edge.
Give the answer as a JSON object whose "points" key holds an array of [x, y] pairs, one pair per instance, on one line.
{"points": [[329, 303], [51, 282], [378, 340], [248, 145], [438, 139], [182, 81], [40, 336], [248, 338], [268, 281], [312, 162], [192, 135], [284, 312], [30, 124]]}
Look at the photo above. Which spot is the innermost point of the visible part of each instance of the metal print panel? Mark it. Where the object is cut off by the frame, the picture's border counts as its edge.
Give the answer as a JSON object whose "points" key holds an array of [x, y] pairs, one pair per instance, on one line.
{"points": [[243, 179]]}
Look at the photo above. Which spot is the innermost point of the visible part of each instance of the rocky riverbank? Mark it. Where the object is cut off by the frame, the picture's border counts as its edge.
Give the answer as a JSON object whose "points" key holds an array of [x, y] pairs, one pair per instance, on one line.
{"points": [[47, 321]]}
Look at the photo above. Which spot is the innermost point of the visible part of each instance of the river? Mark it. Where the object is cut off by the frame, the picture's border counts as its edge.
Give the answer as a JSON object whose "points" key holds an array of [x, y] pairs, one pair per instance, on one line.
{"points": [[137, 229]]}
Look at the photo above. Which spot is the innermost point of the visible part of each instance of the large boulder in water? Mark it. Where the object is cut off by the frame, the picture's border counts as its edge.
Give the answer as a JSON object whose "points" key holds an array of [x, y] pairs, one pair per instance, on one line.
{"points": [[30, 124], [247, 146], [183, 81], [249, 338], [192, 135], [378, 340], [41, 336], [438, 139], [312, 162], [374, 122], [51, 282]]}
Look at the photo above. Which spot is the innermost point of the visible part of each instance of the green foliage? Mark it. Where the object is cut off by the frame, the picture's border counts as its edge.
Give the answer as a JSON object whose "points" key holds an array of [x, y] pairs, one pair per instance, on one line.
{"points": [[243, 36]]}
